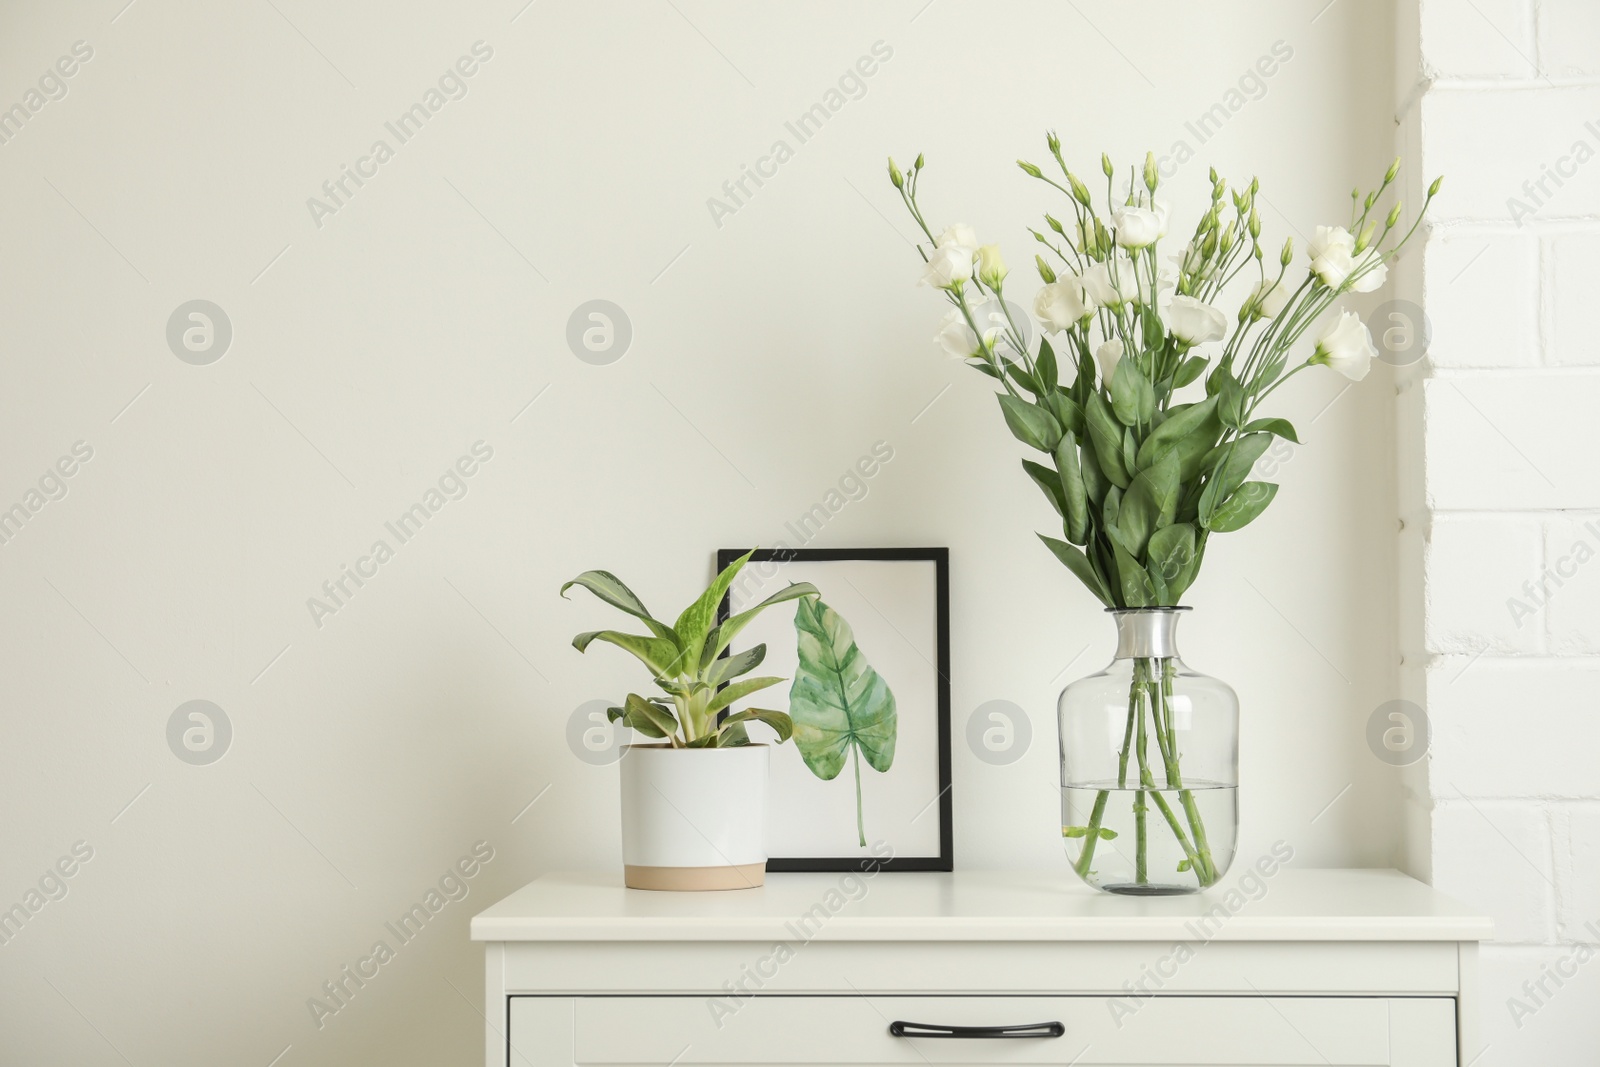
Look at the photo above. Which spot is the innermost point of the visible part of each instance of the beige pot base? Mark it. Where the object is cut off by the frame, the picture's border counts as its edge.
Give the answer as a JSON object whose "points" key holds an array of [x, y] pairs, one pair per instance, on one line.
{"points": [[694, 879]]}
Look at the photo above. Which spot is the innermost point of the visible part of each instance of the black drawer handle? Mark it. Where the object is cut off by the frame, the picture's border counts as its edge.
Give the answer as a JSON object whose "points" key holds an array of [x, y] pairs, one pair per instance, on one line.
{"points": [[904, 1029]]}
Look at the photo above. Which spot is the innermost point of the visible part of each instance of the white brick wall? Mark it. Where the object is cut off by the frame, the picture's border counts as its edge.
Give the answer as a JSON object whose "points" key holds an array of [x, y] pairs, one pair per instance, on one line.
{"points": [[1508, 108]]}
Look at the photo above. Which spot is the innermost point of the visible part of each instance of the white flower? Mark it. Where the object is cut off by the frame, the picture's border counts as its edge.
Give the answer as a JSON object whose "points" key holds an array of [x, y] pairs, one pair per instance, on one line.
{"points": [[959, 234], [991, 268], [1190, 259], [1346, 347], [1373, 272], [1138, 227], [1061, 304], [1108, 356], [1269, 299], [1111, 283], [1332, 252], [957, 338], [1194, 322], [948, 267]]}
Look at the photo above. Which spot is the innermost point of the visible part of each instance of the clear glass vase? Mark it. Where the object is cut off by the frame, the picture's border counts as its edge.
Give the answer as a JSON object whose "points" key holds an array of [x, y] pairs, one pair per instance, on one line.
{"points": [[1149, 766]]}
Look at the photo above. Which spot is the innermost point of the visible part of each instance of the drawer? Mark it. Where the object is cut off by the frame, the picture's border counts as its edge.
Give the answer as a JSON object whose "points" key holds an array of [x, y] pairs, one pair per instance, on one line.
{"points": [[1225, 1031]]}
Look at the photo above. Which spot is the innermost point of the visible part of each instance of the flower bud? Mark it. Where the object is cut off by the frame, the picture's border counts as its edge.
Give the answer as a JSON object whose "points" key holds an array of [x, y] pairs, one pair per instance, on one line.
{"points": [[1030, 170], [1045, 272], [1393, 172], [1255, 223], [992, 269], [1394, 215], [1433, 190], [895, 175], [1372, 198], [1054, 223], [1213, 175], [1150, 177], [1288, 252], [1105, 165], [1053, 141], [1228, 237], [1365, 238], [1080, 191], [1255, 186]]}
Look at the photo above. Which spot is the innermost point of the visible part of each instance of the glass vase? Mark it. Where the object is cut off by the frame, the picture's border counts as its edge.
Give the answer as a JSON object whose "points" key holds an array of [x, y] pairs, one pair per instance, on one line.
{"points": [[1149, 766]]}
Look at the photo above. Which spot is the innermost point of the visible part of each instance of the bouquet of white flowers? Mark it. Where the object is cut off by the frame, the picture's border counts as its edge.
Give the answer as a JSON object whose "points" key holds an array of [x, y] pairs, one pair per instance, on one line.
{"points": [[1140, 475]]}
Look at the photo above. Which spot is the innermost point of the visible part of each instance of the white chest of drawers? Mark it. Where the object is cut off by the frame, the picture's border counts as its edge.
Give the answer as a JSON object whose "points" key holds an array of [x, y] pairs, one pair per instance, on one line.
{"points": [[1353, 968]]}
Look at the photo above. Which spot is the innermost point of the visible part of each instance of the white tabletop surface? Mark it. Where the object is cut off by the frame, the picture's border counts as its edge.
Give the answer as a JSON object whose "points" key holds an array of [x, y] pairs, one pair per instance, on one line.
{"points": [[1291, 905]]}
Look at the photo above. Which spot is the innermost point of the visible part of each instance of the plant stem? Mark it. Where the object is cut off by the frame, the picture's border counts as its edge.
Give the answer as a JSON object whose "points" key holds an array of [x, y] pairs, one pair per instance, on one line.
{"points": [[861, 826], [1141, 856]]}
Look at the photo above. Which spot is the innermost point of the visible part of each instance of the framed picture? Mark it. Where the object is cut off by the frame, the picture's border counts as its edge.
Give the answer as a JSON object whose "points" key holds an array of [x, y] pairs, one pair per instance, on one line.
{"points": [[866, 778]]}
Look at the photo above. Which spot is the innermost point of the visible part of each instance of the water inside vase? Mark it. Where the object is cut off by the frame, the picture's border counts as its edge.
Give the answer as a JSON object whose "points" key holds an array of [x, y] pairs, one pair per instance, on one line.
{"points": [[1176, 860]]}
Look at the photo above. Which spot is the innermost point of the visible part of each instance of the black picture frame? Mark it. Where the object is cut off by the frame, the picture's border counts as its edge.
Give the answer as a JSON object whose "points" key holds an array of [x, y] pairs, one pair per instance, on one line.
{"points": [[940, 558]]}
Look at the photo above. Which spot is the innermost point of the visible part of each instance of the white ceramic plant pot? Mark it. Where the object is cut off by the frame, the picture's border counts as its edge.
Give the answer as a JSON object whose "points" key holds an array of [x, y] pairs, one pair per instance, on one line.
{"points": [[694, 818]]}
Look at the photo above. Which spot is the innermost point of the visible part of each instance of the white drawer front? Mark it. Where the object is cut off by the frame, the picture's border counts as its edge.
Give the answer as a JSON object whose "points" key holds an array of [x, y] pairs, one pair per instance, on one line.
{"points": [[689, 1031]]}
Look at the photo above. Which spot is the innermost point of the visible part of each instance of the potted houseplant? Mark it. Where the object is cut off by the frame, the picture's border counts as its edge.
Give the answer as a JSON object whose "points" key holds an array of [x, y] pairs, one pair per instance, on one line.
{"points": [[1148, 439], [694, 800]]}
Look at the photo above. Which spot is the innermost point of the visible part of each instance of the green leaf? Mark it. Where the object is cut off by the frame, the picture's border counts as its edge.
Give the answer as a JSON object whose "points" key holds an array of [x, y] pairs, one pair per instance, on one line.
{"points": [[1079, 565], [1282, 427], [1149, 504], [1183, 422], [1248, 501], [1233, 466], [733, 666], [1230, 400], [648, 718], [1106, 434], [738, 691], [1133, 399], [1074, 495], [1170, 555], [1066, 411], [1030, 424], [839, 704], [698, 618], [1019, 375], [1048, 481], [1107, 834], [1188, 371], [1138, 591], [656, 653], [778, 720], [730, 627], [1094, 479], [1110, 506], [609, 588], [1074, 831], [1045, 366], [1184, 865]]}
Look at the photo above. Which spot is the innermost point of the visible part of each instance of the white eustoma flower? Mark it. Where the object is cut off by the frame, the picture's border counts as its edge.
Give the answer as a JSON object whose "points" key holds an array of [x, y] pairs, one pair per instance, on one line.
{"points": [[1108, 356], [1270, 298], [1111, 283], [1346, 347], [957, 338], [1372, 272], [948, 267], [1061, 304], [958, 234], [1332, 252], [1194, 322], [1138, 227], [991, 268], [1189, 260]]}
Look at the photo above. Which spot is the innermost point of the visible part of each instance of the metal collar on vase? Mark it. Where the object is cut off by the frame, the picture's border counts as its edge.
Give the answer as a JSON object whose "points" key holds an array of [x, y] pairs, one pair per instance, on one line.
{"points": [[1147, 633]]}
